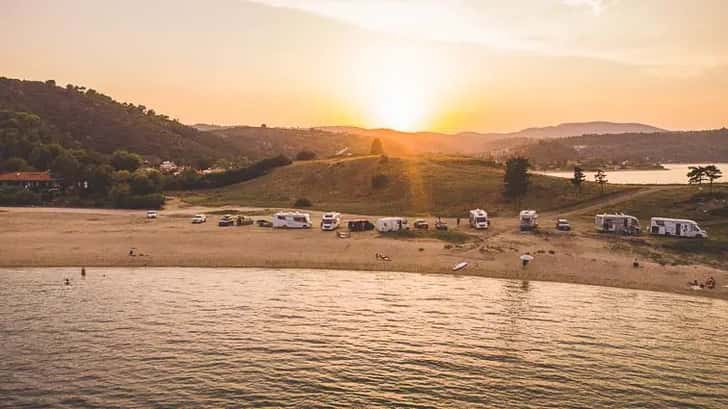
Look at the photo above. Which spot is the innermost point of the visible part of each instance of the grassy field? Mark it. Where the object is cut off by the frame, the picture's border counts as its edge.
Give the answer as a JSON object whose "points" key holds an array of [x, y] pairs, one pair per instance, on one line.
{"points": [[685, 202], [440, 186]]}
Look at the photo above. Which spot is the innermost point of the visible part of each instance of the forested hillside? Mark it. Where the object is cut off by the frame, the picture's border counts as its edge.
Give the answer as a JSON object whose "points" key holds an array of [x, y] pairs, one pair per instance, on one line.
{"points": [[76, 117], [636, 148]]}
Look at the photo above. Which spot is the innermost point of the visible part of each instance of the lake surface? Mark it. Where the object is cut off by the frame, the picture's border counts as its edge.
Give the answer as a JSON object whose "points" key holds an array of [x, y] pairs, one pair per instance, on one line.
{"points": [[676, 173], [297, 338]]}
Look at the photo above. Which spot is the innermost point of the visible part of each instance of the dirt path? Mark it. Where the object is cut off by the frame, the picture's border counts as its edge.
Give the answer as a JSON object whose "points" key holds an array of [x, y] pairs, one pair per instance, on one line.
{"points": [[613, 200]]}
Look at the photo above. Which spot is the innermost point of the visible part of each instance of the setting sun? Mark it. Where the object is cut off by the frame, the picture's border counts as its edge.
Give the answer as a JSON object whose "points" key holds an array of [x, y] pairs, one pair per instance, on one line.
{"points": [[398, 88]]}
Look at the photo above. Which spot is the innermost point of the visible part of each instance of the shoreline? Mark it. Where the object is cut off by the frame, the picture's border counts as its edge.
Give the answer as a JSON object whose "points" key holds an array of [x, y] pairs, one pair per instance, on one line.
{"points": [[75, 238], [712, 294]]}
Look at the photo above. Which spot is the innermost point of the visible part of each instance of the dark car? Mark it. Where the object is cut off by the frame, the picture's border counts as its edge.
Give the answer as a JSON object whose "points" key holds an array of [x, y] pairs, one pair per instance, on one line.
{"points": [[563, 225], [264, 223], [360, 225], [421, 224], [226, 221]]}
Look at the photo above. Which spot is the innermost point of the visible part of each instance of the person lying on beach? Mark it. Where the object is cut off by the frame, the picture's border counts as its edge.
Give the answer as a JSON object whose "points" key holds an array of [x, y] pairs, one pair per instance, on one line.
{"points": [[382, 257]]}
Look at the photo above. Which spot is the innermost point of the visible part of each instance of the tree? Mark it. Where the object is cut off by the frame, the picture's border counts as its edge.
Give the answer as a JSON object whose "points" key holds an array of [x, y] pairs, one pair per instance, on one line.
{"points": [[15, 164], [696, 175], [67, 167], [306, 155], [601, 178], [578, 178], [377, 148], [99, 178], [515, 179], [712, 173], [123, 160]]}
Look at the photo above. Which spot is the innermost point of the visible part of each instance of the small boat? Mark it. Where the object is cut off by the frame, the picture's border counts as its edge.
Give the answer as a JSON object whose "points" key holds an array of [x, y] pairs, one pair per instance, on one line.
{"points": [[459, 266]]}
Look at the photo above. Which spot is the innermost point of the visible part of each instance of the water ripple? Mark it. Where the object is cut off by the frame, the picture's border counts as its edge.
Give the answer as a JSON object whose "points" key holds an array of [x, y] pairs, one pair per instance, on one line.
{"points": [[299, 338]]}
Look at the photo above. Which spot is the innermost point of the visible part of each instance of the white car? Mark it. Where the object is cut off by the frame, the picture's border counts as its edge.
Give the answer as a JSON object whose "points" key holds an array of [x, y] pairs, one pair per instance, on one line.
{"points": [[151, 214], [199, 218]]}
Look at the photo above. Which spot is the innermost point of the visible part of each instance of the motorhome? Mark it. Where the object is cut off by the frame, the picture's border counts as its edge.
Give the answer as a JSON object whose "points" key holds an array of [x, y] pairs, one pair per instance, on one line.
{"points": [[387, 224], [664, 226], [479, 219], [617, 223], [330, 221], [528, 220], [292, 220]]}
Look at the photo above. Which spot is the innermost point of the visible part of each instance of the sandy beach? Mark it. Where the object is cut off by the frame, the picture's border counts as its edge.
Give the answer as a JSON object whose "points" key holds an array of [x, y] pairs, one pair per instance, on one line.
{"points": [[34, 237]]}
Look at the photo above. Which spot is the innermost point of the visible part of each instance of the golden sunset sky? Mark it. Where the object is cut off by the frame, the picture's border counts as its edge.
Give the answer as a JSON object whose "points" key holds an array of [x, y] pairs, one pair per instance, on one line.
{"points": [[448, 65]]}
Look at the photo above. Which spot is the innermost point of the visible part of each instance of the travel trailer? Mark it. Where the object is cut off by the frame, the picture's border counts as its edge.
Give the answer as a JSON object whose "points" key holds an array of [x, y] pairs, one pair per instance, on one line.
{"points": [[528, 220], [292, 220], [387, 224], [664, 226], [617, 223], [479, 219], [330, 221]]}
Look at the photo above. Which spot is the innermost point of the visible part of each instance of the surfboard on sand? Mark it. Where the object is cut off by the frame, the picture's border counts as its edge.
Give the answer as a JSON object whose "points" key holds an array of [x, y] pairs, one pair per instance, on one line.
{"points": [[460, 266]]}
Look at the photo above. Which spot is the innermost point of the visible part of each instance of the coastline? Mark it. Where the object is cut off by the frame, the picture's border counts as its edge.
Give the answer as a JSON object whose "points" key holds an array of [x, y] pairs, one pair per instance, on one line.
{"points": [[43, 237]]}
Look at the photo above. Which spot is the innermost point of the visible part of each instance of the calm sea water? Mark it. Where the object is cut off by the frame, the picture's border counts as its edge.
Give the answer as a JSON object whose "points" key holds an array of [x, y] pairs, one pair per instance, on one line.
{"points": [[296, 338], [676, 173]]}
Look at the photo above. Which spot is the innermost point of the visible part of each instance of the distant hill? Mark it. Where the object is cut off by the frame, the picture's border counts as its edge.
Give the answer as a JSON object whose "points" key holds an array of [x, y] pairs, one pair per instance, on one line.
{"points": [[261, 142], [637, 148], [476, 142], [86, 118]]}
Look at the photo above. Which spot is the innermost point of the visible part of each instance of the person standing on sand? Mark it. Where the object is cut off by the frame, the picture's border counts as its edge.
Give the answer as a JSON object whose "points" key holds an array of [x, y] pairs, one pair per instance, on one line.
{"points": [[458, 222]]}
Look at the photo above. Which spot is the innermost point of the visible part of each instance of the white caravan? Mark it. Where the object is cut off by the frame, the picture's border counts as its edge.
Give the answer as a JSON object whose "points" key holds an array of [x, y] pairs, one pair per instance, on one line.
{"points": [[292, 220], [387, 224], [617, 223], [528, 220], [479, 219], [665, 226], [330, 221]]}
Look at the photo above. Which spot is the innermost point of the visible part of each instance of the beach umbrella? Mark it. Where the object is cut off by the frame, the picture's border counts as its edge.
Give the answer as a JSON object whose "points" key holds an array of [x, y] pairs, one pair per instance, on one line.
{"points": [[525, 258]]}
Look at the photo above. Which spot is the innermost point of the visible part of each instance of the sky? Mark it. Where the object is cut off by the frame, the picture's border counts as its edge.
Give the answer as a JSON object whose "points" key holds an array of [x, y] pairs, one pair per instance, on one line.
{"points": [[447, 65]]}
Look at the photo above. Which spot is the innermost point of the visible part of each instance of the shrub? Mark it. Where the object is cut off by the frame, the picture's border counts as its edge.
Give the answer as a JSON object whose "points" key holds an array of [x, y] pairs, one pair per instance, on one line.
{"points": [[380, 181], [19, 197], [306, 155], [302, 202]]}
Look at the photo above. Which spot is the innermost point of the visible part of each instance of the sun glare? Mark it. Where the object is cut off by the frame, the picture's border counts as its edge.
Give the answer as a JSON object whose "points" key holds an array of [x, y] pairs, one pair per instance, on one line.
{"points": [[397, 89]]}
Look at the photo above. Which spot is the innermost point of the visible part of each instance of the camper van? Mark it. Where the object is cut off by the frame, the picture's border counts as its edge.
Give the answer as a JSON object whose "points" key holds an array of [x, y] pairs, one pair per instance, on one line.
{"points": [[528, 220], [664, 226], [292, 220], [617, 223], [479, 219], [387, 224], [330, 221]]}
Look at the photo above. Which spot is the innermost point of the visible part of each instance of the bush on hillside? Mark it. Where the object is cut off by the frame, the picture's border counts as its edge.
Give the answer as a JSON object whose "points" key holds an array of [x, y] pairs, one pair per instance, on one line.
{"points": [[306, 155], [19, 197], [302, 202], [380, 181], [230, 177]]}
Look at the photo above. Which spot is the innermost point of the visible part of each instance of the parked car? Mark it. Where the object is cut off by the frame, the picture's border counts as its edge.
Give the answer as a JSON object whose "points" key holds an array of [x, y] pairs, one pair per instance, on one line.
{"points": [[563, 225], [360, 225], [264, 223], [199, 218], [421, 224], [226, 221], [151, 214], [440, 225], [243, 221]]}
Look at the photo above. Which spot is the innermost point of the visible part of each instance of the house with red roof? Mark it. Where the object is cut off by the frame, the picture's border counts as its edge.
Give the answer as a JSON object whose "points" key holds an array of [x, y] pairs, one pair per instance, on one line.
{"points": [[28, 180]]}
